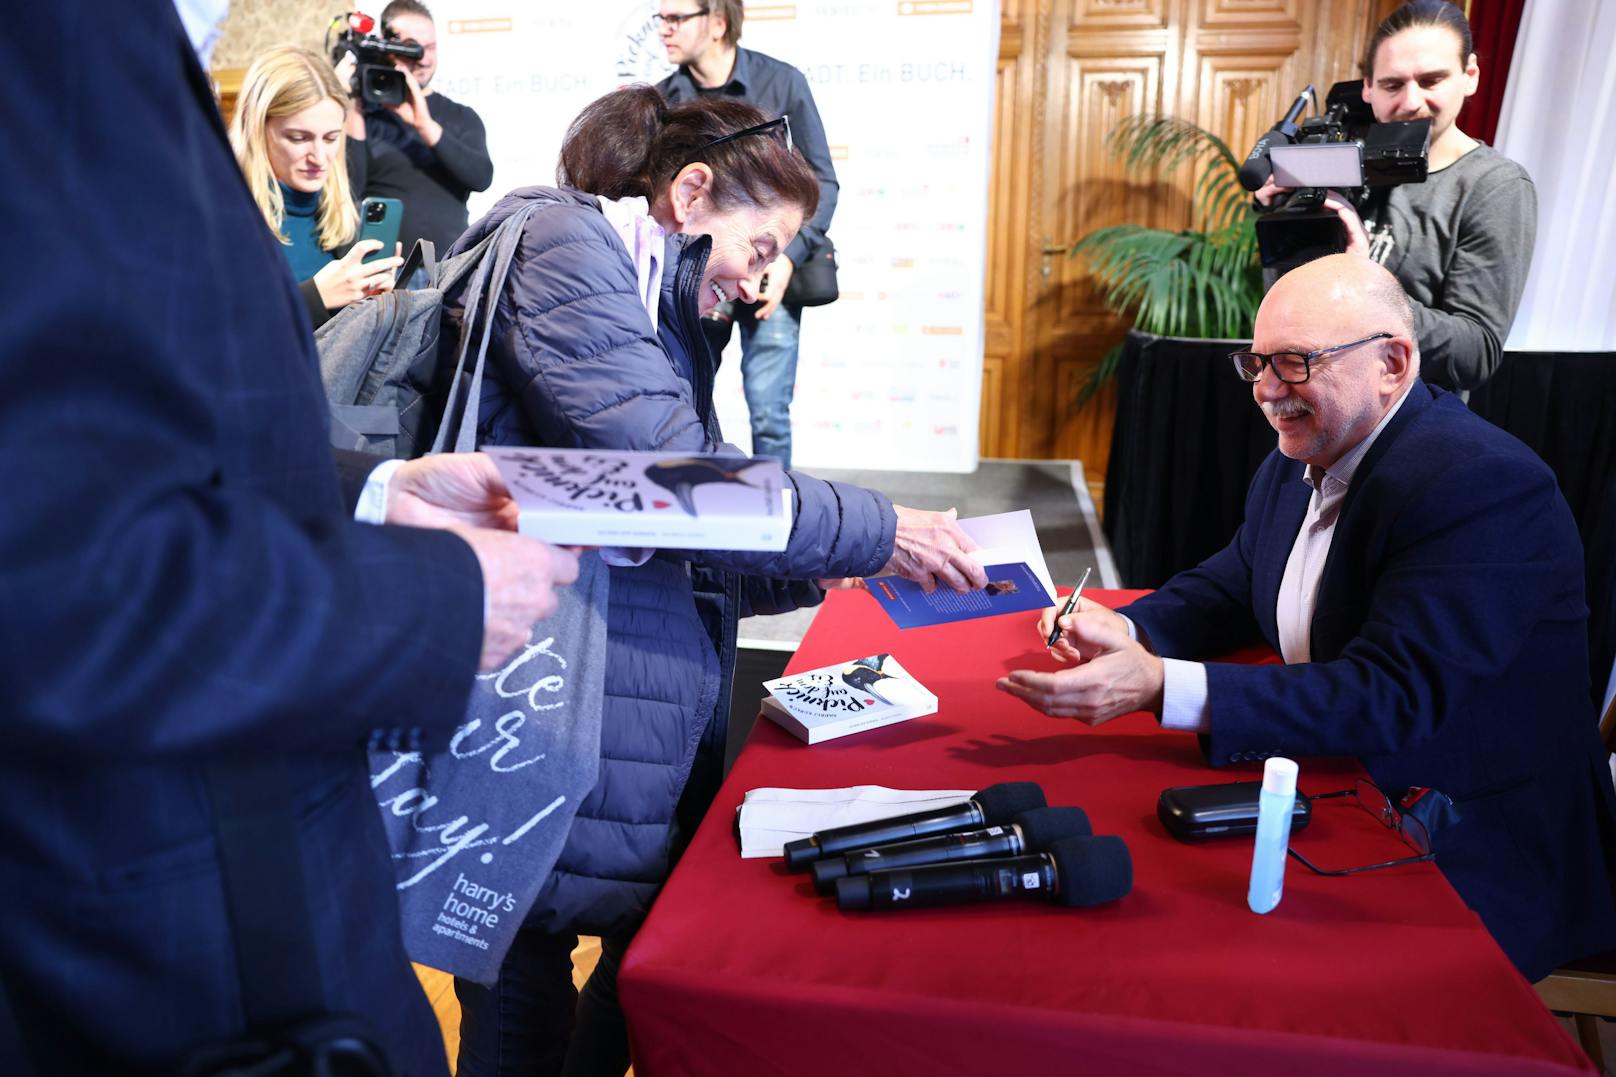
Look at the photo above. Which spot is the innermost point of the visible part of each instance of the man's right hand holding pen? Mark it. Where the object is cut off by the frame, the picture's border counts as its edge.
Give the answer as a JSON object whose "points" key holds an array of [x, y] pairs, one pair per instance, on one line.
{"points": [[1111, 674], [1082, 633]]}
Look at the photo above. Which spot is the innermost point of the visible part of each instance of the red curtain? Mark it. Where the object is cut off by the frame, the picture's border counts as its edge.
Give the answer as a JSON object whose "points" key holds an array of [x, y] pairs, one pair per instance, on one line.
{"points": [[1494, 25]]}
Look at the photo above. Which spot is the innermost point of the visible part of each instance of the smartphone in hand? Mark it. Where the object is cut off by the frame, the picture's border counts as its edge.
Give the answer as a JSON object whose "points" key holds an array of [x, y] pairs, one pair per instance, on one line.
{"points": [[379, 219]]}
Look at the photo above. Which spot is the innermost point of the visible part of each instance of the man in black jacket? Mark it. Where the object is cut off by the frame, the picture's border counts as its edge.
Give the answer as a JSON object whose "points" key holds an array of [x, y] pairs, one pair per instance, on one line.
{"points": [[430, 152], [703, 39]]}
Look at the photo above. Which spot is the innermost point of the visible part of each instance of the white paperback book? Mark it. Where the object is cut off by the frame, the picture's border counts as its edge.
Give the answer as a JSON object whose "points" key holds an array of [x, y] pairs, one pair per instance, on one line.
{"points": [[848, 697], [682, 501]]}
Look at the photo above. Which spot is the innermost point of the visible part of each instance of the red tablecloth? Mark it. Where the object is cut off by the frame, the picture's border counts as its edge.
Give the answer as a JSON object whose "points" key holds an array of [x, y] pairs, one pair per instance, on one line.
{"points": [[741, 969]]}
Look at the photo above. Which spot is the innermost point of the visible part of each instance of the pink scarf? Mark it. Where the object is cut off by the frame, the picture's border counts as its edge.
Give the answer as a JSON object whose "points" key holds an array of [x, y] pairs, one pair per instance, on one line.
{"points": [[643, 238]]}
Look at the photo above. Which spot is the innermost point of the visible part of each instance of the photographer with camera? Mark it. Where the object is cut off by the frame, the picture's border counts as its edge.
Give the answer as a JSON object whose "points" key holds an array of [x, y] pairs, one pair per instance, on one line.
{"points": [[1461, 242], [423, 149]]}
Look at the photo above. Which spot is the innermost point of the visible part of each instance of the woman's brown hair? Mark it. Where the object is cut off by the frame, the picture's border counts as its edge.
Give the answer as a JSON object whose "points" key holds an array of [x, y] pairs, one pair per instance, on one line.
{"points": [[631, 142]]}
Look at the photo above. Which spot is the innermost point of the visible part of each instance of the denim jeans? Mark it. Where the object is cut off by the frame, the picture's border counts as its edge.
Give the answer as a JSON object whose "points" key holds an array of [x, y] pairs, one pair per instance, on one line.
{"points": [[532, 1023], [768, 372]]}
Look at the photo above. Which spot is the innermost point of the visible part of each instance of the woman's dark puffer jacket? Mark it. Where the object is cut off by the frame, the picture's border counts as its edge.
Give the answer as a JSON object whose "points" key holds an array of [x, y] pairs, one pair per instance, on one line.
{"points": [[575, 363]]}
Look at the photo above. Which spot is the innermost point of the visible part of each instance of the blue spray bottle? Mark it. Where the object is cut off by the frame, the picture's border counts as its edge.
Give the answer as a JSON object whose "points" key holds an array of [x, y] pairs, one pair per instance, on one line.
{"points": [[1274, 805]]}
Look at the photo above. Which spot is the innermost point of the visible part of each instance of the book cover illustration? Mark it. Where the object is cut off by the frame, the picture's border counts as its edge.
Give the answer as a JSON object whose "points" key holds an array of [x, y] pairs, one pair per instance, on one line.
{"points": [[599, 497], [1012, 587], [847, 697]]}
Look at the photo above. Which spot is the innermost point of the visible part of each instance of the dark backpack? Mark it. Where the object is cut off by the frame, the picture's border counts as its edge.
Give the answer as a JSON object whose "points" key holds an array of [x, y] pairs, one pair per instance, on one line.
{"points": [[390, 378]]}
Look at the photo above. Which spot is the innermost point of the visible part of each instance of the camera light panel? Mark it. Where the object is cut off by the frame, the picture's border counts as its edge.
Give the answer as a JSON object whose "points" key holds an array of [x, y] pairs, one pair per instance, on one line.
{"points": [[1329, 164]]}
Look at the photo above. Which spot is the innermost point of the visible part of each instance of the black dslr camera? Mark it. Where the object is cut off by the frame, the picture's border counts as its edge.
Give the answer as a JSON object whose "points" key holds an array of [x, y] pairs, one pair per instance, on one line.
{"points": [[1343, 150], [376, 81]]}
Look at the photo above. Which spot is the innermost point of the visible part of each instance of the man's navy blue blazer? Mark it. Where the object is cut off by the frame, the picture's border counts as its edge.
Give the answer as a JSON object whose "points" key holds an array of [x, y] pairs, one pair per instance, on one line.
{"points": [[1449, 647], [180, 580]]}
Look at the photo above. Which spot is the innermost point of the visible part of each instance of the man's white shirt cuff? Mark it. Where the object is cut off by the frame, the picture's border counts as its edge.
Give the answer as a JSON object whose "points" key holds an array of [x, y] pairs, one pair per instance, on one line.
{"points": [[1184, 705], [1183, 691], [372, 507]]}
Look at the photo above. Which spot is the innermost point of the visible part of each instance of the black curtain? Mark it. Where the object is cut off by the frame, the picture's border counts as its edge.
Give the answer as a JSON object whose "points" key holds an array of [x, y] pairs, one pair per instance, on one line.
{"points": [[1187, 440], [1563, 405]]}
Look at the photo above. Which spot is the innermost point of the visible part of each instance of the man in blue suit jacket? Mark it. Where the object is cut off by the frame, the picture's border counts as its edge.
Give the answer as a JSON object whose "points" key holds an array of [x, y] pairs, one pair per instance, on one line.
{"points": [[1420, 573], [181, 582]]}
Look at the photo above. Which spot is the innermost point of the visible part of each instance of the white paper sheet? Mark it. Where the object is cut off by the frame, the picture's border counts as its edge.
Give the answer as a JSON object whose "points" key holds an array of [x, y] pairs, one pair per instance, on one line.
{"points": [[1012, 531], [770, 817]]}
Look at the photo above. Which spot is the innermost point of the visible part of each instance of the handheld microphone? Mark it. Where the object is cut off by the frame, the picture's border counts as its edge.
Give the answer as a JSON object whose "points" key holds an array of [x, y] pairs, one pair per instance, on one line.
{"points": [[1031, 832], [992, 806], [1075, 872], [1257, 168]]}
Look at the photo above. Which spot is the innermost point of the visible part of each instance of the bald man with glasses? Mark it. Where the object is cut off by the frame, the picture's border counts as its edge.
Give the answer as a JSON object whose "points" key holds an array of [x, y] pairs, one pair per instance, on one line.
{"points": [[1420, 574]]}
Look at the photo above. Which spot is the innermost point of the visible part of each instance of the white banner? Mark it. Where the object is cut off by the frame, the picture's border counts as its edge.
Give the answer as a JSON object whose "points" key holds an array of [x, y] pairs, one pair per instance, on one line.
{"points": [[889, 375]]}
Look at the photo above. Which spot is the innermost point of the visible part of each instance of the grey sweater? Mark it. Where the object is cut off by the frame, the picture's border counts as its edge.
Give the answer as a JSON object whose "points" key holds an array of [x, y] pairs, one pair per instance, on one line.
{"points": [[1460, 243]]}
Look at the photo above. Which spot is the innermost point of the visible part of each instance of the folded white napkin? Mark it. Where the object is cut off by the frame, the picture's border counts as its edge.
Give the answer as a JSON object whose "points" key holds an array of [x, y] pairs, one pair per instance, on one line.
{"points": [[768, 818]]}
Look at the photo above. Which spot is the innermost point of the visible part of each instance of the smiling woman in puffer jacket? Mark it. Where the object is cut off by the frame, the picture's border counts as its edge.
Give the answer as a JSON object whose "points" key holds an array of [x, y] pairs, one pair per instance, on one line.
{"points": [[665, 213]]}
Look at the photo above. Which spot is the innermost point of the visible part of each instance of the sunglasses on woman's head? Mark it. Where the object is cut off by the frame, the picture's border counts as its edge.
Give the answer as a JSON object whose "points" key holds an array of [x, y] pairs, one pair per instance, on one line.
{"points": [[783, 124]]}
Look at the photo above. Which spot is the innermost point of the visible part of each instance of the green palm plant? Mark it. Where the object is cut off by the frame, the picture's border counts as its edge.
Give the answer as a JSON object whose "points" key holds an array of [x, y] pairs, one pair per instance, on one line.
{"points": [[1203, 281]]}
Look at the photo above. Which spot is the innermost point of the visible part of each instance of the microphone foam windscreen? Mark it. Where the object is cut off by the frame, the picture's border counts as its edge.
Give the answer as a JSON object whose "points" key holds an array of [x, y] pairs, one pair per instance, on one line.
{"points": [[1091, 871], [1003, 802], [1042, 827]]}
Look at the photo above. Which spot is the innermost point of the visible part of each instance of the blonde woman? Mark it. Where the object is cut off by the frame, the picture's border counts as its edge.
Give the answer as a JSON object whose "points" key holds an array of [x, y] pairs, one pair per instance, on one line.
{"points": [[289, 134]]}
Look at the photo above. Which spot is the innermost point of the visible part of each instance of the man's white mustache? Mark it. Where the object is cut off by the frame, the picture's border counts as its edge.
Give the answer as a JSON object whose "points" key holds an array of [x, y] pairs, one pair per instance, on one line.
{"points": [[1289, 408]]}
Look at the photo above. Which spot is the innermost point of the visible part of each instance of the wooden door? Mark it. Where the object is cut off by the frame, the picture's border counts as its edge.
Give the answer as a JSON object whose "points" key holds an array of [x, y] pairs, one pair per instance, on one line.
{"points": [[1068, 71]]}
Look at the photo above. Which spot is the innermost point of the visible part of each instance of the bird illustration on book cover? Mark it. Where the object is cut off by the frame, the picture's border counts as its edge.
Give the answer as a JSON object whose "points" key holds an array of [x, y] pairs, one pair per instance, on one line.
{"points": [[863, 674], [680, 477]]}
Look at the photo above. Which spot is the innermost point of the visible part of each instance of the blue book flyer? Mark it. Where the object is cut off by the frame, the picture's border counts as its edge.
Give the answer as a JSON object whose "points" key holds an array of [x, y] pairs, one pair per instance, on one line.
{"points": [[1013, 587]]}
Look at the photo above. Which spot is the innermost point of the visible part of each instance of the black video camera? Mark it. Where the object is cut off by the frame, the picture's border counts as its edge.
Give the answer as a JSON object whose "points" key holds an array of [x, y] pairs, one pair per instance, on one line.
{"points": [[1343, 150], [376, 81]]}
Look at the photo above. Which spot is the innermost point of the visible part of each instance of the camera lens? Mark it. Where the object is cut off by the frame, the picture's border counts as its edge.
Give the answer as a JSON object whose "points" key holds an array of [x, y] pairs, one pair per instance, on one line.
{"points": [[375, 211]]}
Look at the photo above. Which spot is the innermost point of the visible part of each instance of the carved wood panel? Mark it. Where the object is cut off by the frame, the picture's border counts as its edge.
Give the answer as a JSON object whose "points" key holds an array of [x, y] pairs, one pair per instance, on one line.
{"points": [[994, 405], [1068, 70], [1120, 14], [1015, 119], [1239, 96], [1101, 91], [1249, 14]]}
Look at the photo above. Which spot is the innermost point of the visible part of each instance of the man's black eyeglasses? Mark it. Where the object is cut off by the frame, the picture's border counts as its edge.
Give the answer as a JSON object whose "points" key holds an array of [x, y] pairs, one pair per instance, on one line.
{"points": [[1369, 797], [1292, 367], [782, 124], [676, 21]]}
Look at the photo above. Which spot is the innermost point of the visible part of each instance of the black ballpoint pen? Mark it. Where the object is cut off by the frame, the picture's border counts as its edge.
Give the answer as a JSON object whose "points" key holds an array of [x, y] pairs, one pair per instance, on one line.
{"points": [[1071, 604]]}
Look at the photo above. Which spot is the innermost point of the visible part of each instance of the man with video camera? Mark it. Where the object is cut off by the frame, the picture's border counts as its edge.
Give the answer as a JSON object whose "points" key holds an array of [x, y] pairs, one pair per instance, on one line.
{"points": [[425, 150], [1461, 242]]}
